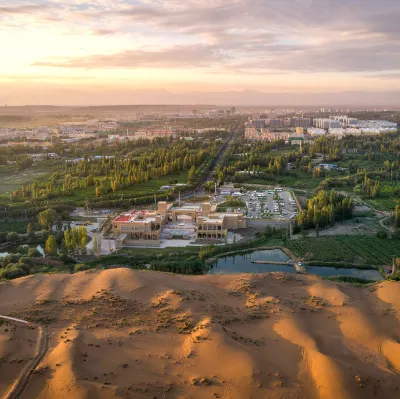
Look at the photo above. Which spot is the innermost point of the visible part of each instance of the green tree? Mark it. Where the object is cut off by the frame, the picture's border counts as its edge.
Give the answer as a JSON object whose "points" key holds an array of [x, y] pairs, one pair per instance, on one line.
{"points": [[29, 229], [12, 237], [68, 240], [209, 186], [47, 218], [192, 173], [82, 236], [397, 215], [51, 246], [97, 245]]}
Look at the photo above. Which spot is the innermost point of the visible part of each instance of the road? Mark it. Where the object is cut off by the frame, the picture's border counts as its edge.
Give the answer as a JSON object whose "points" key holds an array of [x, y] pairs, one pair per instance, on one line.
{"points": [[22, 381], [220, 155]]}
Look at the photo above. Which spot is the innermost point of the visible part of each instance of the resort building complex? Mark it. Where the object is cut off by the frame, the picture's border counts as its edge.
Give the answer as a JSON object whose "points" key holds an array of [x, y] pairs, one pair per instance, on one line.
{"points": [[194, 222]]}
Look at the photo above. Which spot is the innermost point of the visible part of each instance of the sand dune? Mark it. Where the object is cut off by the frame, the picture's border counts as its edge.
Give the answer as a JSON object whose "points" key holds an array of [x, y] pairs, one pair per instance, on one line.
{"points": [[131, 334]]}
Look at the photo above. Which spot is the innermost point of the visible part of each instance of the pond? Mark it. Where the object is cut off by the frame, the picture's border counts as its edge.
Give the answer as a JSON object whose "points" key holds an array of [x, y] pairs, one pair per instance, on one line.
{"points": [[325, 271], [14, 250], [243, 263]]}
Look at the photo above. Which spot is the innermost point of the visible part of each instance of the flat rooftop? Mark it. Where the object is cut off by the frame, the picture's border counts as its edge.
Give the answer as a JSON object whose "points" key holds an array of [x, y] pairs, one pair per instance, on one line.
{"points": [[136, 216], [191, 207]]}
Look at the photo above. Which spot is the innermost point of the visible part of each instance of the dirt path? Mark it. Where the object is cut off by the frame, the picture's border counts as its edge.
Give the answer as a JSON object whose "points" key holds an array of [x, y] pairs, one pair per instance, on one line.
{"points": [[22, 381]]}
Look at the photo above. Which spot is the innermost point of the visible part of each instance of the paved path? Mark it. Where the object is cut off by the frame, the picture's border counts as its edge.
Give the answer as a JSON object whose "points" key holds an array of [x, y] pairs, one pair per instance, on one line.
{"points": [[381, 222], [14, 319], [218, 158], [22, 381]]}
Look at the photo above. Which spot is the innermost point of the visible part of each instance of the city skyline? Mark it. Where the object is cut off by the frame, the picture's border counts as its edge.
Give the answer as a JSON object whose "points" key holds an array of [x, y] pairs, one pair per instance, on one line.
{"points": [[113, 51]]}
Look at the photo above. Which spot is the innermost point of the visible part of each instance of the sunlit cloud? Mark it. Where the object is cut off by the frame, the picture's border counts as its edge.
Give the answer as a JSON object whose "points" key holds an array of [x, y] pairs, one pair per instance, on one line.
{"points": [[324, 44]]}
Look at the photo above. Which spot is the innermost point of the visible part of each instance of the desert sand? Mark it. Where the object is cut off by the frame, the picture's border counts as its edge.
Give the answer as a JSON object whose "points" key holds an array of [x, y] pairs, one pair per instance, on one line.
{"points": [[141, 334]]}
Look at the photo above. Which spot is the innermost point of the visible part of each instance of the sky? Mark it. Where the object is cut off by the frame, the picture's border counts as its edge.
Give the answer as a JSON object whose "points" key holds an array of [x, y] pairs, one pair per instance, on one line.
{"points": [[61, 51]]}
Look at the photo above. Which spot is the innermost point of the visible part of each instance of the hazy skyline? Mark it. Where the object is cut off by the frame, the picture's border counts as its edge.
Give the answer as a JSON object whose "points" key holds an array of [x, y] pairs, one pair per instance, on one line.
{"points": [[94, 51]]}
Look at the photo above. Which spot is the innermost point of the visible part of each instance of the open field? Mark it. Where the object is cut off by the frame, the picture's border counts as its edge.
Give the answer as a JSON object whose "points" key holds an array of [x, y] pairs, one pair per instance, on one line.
{"points": [[35, 116], [358, 249], [11, 179], [137, 334], [292, 180], [41, 172], [146, 188], [388, 197]]}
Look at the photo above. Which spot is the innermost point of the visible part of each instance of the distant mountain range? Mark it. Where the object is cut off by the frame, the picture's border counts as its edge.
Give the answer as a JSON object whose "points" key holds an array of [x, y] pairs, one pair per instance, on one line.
{"points": [[95, 96]]}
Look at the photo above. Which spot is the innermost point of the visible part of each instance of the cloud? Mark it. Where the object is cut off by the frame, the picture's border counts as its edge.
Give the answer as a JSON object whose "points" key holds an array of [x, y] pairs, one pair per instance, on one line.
{"points": [[103, 32], [386, 76], [275, 36], [184, 56], [21, 10]]}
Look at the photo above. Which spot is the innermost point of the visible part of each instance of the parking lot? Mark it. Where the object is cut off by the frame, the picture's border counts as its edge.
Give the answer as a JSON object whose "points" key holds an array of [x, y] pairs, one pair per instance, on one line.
{"points": [[275, 203]]}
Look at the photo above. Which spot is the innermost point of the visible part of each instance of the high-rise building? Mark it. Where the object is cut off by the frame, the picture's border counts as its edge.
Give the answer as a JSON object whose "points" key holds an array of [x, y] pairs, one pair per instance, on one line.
{"points": [[275, 122], [259, 123], [300, 122], [324, 123]]}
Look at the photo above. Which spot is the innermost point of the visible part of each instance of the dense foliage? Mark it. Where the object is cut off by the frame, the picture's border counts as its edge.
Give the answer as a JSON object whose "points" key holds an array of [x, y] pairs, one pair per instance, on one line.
{"points": [[324, 209]]}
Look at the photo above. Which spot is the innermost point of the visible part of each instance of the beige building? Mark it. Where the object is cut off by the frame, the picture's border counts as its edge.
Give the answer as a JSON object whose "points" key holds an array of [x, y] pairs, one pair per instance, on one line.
{"points": [[192, 221]]}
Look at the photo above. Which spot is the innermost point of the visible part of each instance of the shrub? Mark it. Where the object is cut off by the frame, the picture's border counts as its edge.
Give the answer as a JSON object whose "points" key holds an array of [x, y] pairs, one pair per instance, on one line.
{"points": [[80, 267], [395, 276], [350, 279], [382, 234], [396, 235], [33, 253], [12, 237], [13, 271]]}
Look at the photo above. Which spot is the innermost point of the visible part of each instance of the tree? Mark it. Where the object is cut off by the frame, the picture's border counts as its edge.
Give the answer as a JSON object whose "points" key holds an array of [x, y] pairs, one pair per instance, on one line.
{"points": [[68, 240], [3, 236], [97, 244], [47, 218], [82, 236], [33, 253], [12, 237], [192, 173], [51, 246], [209, 186], [99, 191], [397, 216], [29, 229]]}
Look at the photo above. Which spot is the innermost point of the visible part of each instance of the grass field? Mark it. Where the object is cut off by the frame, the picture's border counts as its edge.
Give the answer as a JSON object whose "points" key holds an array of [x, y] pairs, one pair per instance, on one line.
{"points": [[11, 179], [147, 188], [17, 227], [388, 198], [145, 251], [292, 180], [362, 163], [363, 250]]}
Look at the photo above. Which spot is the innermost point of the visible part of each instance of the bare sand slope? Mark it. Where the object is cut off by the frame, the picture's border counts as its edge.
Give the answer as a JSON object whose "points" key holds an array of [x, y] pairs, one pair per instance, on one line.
{"points": [[129, 334]]}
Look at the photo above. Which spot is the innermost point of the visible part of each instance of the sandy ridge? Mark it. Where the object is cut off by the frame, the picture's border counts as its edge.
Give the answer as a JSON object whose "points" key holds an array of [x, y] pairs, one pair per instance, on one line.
{"points": [[138, 334]]}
